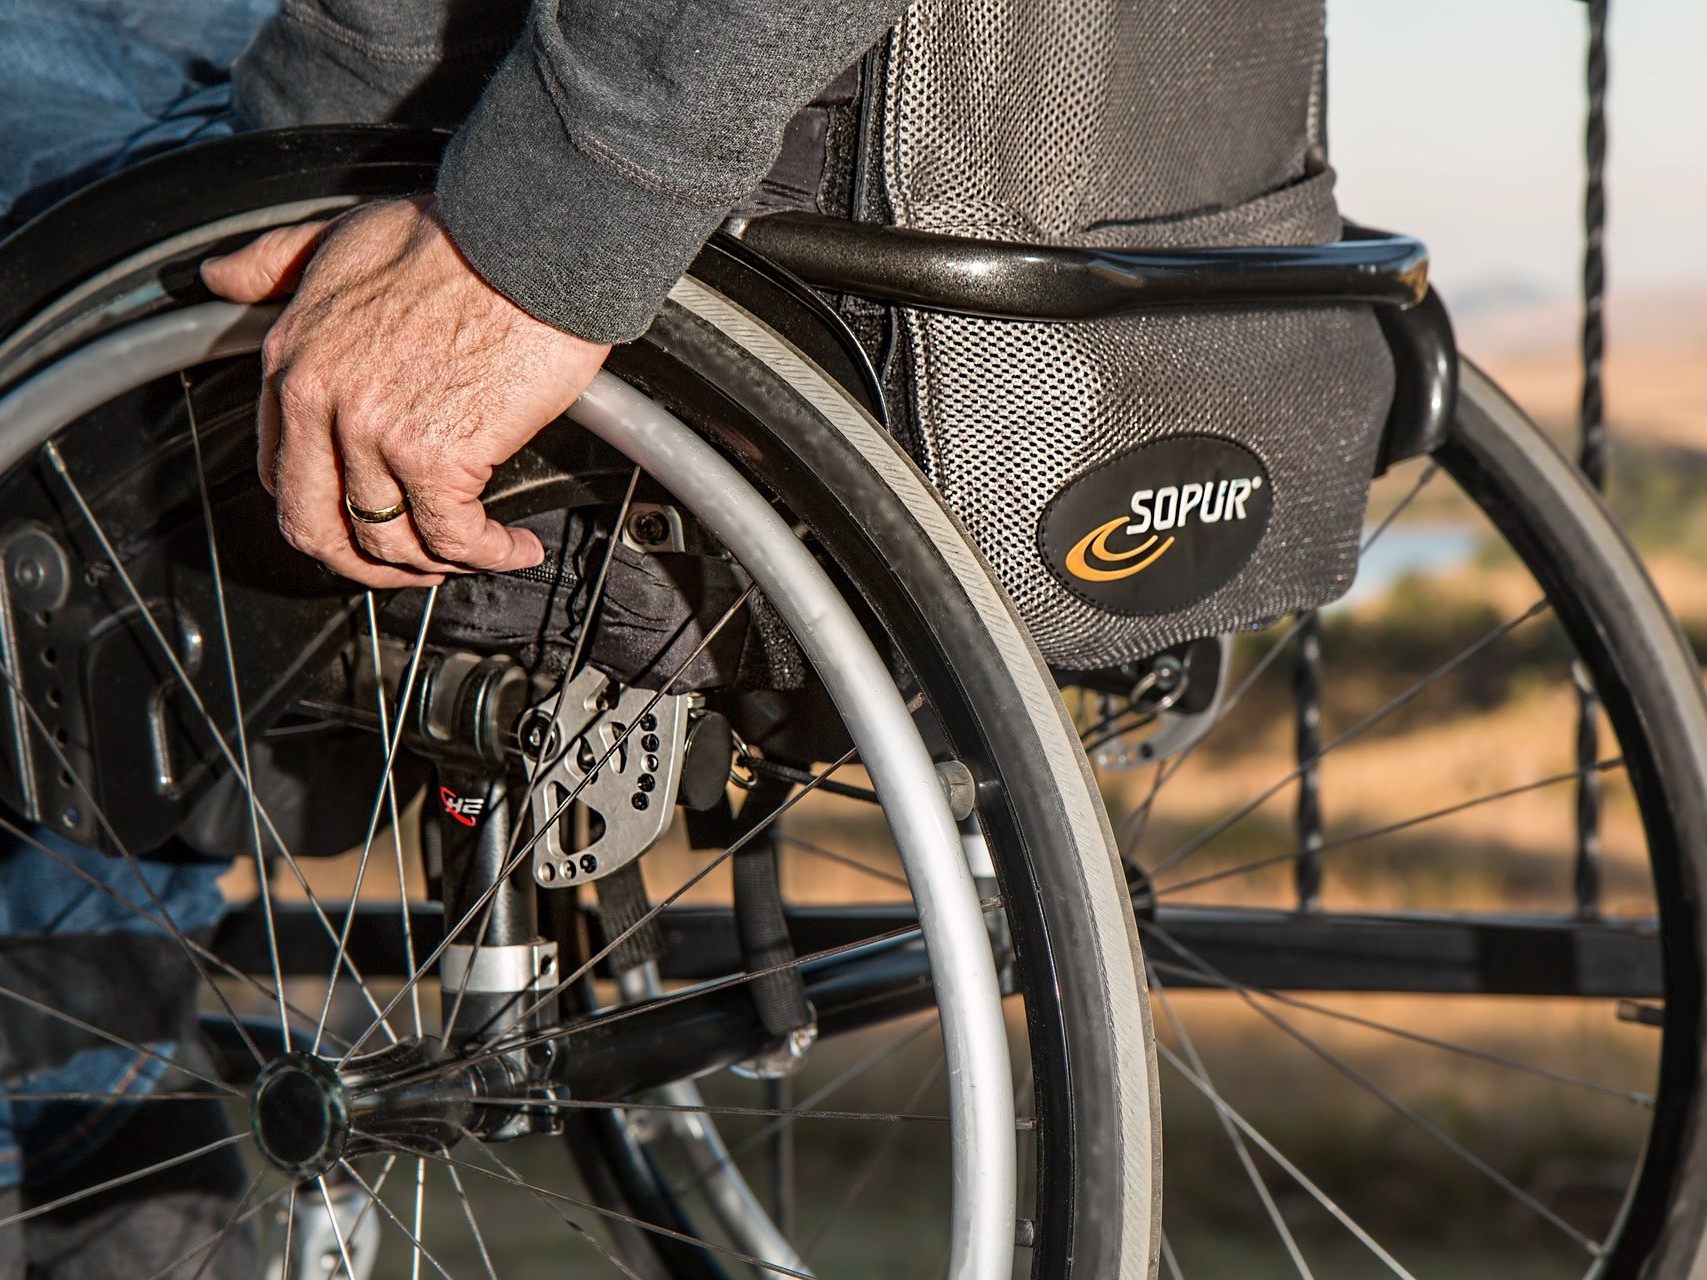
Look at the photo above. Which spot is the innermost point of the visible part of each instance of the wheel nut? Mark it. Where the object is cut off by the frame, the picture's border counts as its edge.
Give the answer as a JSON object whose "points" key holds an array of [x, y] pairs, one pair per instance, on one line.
{"points": [[649, 528]]}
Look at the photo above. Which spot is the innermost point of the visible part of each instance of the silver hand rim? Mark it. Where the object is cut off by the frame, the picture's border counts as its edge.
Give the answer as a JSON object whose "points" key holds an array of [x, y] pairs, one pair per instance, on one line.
{"points": [[981, 1103]]}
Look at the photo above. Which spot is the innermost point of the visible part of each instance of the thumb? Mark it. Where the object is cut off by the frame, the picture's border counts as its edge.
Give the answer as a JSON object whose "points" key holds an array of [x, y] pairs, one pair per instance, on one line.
{"points": [[267, 267]]}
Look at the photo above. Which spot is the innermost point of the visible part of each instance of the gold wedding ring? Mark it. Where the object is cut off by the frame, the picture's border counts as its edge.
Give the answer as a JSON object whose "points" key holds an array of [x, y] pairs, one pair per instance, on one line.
{"points": [[382, 516]]}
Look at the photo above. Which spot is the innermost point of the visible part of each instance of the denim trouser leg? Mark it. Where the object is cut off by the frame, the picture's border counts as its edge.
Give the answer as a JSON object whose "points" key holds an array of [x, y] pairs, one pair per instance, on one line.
{"points": [[87, 86], [40, 896]]}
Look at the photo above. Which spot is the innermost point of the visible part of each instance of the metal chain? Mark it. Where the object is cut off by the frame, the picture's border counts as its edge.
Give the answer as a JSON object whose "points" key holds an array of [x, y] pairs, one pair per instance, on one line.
{"points": [[1307, 711], [1591, 455]]}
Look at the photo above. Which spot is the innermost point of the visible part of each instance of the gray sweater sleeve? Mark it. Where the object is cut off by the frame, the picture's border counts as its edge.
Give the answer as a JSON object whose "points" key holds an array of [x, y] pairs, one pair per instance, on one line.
{"points": [[618, 133], [612, 139]]}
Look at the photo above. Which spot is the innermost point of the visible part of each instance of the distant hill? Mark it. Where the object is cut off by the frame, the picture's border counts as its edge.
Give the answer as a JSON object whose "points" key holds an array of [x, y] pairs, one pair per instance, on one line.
{"points": [[1656, 376]]}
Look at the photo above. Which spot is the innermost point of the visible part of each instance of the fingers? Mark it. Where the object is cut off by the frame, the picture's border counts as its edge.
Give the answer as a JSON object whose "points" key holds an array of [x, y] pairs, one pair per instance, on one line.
{"points": [[370, 486], [455, 527], [310, 494], [267, 267]]}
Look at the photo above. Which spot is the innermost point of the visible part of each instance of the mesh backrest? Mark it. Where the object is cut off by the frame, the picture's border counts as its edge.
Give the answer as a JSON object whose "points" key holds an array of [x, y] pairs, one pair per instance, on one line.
{"points": [[1112, 123]]}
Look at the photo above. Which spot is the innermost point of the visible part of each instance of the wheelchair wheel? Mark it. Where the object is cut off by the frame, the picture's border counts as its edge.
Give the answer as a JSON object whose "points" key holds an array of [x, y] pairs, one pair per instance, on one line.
{"points": [[799, 612], [1433, 991]]}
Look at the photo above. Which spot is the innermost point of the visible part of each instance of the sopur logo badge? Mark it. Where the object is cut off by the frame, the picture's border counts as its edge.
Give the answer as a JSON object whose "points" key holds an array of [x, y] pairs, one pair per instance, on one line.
{"points": [[465, 809], [1159, 527]]}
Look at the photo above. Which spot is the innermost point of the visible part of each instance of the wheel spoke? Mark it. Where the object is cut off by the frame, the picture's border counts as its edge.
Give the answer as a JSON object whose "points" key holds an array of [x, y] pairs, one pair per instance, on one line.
{"points": [[386, 787], [261, 1206], [510, 864], [246, 774], [640, 1224], [801, 1111], [163, 920], [116, 1096], [373, 1198], [841, 859], [1635, 1097], [785, 1118], [473, 1223], [574, 1226], [1169, 1260], [1389, 828], [119, 1040], [289, 1231], [420, 1203], [35, 1211], [165, 924], [219, 1237], [337, 1229], [1293, 1171], [1401, 699], [1240, 1147], [1425, 477], [170, 656], [391, 801], [873, 1162], [1131, 831], [1393, 1103]]}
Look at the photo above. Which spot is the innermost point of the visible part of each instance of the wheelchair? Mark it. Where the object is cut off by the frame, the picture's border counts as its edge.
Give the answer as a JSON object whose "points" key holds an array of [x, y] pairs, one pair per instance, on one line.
{"points": [[763, 653]]}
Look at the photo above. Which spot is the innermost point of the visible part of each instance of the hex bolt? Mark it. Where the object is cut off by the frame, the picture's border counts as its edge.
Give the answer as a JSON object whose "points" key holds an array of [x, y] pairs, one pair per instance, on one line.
{"points": [[646, 782], [539, 736], [1169, 670], [639, 800], [648, 528], [649, 743], [38, 568], [648, 722]]}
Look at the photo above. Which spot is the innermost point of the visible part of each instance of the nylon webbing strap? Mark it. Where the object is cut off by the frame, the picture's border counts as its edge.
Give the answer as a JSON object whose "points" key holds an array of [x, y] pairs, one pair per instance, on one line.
{"points": [[760, 921], [623, 904]]}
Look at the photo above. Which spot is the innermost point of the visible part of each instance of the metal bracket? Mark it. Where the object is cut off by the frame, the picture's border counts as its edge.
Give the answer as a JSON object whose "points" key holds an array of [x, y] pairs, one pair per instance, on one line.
{"points": [[500, 970], [1176, 730], [633, 792]]}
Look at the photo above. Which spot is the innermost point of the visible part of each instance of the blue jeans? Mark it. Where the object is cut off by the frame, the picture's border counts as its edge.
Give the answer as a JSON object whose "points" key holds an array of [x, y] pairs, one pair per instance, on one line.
{"points": [[43, 1141], [86, 87]]}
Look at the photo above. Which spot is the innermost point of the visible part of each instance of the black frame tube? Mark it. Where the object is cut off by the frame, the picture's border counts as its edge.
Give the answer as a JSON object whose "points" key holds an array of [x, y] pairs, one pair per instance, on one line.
{"points": [[1003, 280]]}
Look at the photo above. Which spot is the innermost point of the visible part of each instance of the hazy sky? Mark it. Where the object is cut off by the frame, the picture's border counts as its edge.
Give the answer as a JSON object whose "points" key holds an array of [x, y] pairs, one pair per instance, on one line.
{"points": [[1460, 121]]}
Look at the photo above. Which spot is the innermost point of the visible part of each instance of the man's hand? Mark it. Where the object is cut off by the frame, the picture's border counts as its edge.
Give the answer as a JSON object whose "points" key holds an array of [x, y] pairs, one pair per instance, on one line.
{"points": [[396, 374]]}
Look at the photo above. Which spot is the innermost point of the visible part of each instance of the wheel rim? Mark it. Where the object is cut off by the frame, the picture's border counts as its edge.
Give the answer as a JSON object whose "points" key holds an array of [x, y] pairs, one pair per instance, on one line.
{"points": [[1202, 860], [983, 1222]]}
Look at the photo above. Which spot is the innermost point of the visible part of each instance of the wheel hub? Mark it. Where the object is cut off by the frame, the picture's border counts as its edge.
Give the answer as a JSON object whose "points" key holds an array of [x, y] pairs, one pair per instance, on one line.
{"points": [[300, 1115], [307, 1114]]}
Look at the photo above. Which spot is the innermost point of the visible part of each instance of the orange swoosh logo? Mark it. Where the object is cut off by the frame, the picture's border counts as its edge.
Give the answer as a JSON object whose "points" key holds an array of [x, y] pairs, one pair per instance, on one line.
{"points": [[1095, 543]]}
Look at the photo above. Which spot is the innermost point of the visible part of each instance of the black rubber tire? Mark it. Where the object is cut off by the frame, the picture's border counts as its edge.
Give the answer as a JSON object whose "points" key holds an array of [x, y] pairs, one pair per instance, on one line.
{"points": [[806, 438], [1651, 687]]}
